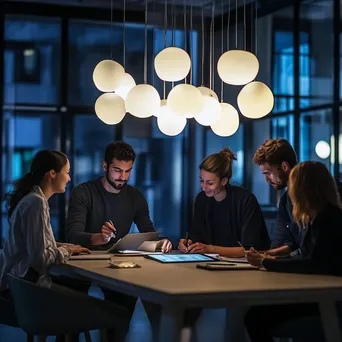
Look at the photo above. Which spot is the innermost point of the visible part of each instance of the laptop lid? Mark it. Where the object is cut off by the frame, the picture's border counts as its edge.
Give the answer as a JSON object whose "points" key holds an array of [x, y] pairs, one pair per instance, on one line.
{"points": [[133, 241]]}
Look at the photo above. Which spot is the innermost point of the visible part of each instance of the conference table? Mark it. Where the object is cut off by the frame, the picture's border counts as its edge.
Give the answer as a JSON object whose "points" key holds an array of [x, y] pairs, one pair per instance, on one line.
{"points": [[179, 286]]}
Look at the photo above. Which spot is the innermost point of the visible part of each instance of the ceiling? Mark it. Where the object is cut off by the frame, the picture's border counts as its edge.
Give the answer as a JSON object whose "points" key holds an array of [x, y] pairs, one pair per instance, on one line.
{"points": [[154, 5]]}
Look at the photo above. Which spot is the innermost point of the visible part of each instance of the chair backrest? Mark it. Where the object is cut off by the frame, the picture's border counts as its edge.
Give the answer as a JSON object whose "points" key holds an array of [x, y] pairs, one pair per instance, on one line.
{"points": [[59, 310], [7, 312]]}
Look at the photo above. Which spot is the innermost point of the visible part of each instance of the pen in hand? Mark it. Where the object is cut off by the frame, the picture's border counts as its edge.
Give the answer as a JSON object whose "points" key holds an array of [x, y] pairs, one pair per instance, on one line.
{"points": [[187, 240], [112, 235]]}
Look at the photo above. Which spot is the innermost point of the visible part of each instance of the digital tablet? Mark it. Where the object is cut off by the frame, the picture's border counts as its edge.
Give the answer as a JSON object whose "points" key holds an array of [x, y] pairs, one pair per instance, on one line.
{"points": [[178, 258]]}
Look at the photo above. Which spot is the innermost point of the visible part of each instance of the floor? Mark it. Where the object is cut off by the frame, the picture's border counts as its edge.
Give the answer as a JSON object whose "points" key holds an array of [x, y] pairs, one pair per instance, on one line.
{"points": [[210, 327]]}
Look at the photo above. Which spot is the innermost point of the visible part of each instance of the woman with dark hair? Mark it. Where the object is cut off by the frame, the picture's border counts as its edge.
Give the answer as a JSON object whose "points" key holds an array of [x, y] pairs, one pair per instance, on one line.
{"points": [[224, 215], [317, 210], [30, 247]]}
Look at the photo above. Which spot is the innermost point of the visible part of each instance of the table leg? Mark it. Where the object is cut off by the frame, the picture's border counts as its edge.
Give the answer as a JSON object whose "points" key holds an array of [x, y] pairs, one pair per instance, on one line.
{"points": [[329, 316], [171, 324], [235, 329]]}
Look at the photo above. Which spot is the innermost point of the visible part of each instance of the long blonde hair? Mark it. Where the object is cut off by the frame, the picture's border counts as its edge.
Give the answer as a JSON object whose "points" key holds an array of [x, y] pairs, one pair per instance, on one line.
{"points": [[311, 187]]}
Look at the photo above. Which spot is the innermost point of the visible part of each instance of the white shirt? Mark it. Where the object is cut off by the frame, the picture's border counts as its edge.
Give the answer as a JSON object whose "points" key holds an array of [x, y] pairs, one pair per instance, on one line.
{"points": [[30, 241]]}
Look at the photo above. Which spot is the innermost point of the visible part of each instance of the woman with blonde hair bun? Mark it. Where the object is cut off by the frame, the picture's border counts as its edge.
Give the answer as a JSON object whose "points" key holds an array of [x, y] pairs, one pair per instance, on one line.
{"points": [[224, 215], [317, 210]]}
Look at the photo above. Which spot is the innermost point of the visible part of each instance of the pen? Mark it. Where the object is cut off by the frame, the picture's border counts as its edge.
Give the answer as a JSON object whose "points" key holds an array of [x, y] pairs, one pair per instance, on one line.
{"points": [[241, 245], [187, 240], [113, 234]]}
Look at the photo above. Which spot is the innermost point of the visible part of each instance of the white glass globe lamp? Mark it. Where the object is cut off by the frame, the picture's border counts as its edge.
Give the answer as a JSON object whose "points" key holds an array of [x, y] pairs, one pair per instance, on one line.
{"points": [[169, 123], [172, 64], [107, 75], [228, 122], [125, 85], [143, 101], [237, 67], [255, 100], [110, 108], [185, 100]]}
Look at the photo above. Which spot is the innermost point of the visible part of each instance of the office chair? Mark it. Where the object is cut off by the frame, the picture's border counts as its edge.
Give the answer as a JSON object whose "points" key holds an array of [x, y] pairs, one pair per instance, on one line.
{"points": [[61, 311]]}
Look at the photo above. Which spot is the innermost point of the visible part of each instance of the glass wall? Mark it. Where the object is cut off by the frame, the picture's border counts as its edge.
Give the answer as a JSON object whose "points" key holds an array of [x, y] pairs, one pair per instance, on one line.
{"points": [[25, 133], [32, 60]]}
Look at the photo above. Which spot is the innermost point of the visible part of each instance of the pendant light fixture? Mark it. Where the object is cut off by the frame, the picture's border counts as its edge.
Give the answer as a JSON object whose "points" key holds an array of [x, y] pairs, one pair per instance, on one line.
{"points": [[255, 99], [237, 67], [228, 122], [212, 109], [143, 100]]}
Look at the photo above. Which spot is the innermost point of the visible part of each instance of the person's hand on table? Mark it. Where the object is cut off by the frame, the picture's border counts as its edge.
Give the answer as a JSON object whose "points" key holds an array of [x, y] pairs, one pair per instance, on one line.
{"points": [[199, 247], [182, 245], [256, 258], [77, 249], [166, 246]]}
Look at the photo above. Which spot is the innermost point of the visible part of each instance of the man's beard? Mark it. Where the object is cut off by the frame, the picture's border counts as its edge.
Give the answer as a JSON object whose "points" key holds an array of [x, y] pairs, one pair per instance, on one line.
{"points": [[115, 186], [283, 180]]}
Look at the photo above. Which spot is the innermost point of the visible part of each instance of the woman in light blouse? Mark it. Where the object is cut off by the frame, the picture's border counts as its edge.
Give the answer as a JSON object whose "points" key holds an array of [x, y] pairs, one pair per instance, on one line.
{"points": [[30, 247]]}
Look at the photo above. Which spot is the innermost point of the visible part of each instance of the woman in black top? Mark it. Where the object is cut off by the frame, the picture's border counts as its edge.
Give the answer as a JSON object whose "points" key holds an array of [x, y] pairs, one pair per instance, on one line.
{"points": [[224, 215], [317, 209]]}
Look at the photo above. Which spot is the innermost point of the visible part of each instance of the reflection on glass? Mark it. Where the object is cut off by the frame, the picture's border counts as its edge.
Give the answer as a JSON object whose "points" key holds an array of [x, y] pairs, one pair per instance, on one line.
{"points": [[24, 135], [261, 132], [315, 127], [91, 136], [159, 172], [316, 53], [283, 127], [31, 60], [91, 42], [235, 143]]}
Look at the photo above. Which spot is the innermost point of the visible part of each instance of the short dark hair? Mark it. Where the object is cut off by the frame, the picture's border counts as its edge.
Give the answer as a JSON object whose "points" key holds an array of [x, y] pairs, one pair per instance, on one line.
{"points": [[274, 152], [119, 150]]}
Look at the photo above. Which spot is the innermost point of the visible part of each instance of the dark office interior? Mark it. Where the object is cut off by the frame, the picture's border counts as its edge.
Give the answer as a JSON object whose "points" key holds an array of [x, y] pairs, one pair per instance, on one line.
{"points": [[49, 49]]}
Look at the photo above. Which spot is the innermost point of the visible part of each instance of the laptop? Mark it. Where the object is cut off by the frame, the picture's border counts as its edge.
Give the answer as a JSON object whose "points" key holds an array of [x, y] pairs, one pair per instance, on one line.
{"points": [[128, 242]]}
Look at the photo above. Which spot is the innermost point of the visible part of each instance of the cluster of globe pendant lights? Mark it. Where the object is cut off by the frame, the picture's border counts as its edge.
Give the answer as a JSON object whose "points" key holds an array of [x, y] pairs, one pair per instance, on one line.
{"points": [[184, 101]]}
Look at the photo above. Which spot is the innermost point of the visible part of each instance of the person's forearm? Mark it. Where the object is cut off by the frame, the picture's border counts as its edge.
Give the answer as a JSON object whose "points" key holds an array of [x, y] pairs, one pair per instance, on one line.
{"points": [[283, 250], [231, 252], [96, 239]]}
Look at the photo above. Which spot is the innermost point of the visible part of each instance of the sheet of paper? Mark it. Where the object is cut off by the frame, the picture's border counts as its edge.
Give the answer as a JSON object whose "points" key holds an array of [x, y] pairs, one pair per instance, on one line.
{"points": [[127, 251], [237, 260]]}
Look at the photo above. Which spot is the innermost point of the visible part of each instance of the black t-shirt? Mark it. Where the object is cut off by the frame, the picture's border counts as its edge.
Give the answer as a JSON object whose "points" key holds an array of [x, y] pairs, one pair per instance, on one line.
{"points": [[91, 205], [237, 218]]}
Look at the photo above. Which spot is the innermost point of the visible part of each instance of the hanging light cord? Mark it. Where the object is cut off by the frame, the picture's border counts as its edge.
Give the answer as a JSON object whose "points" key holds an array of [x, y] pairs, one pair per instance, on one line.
{"points": [[202, 57], [185, 33], [211, 47], [191, 74], [111, 28], [222, 48], [153, 35], [173, 23], [165, 28], [228, 25], [124, 35], [244, 25], [236, 26], [256, 29], [145, 54]]}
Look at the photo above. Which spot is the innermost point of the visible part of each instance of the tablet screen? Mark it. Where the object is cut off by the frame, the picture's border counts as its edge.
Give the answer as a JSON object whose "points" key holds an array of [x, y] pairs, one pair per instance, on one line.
{"points": [[169, 258]]}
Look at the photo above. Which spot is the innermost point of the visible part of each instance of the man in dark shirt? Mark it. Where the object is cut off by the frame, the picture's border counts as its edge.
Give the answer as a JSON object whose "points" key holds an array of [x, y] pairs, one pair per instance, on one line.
{"points": [[102, 211], [107, 206], [276, 158]]}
